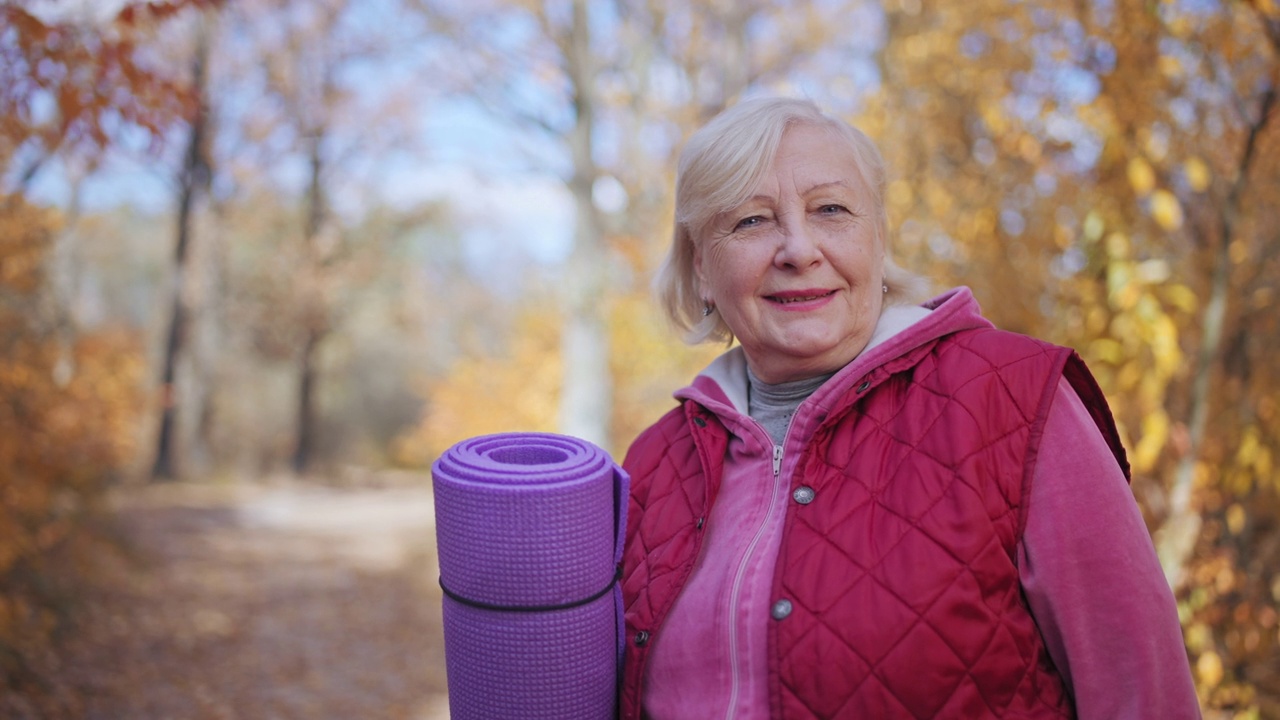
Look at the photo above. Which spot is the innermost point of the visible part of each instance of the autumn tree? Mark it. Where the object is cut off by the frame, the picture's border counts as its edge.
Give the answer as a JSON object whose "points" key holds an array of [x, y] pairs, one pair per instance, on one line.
{"points": [[68, 409], [1104, 175], [192, 183], [615, 87], [320, 115]]}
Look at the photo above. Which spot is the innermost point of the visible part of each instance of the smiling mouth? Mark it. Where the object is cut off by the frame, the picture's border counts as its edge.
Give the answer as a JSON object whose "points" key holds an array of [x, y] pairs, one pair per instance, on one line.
{"points": [[788, 299]]}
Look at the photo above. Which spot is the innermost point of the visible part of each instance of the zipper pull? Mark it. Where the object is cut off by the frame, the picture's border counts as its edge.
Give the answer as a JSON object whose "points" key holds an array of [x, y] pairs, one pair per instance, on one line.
{"points": [[777, 460]]}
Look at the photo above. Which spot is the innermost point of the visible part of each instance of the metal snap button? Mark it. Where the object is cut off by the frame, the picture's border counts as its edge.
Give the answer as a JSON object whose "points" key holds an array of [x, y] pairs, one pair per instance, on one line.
{"points": [[642, 637], [780, 609], [803, 494]]}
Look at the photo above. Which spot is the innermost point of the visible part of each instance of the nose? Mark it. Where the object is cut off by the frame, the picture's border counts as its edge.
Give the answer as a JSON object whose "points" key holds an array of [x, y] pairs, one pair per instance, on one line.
{"points": [[798, 246]]}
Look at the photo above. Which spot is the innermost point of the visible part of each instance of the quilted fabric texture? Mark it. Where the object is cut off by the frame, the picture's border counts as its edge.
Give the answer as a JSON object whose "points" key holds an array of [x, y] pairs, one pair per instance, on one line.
{"points": [[902, 571]]}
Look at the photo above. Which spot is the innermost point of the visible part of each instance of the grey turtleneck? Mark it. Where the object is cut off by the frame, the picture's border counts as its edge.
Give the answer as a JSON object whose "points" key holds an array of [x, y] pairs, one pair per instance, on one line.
{"points": [[773, 405]]}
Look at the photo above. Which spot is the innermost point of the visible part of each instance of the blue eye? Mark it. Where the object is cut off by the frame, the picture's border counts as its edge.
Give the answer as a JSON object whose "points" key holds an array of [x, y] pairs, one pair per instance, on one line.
{"points": [[749, 222], [830, 209]]}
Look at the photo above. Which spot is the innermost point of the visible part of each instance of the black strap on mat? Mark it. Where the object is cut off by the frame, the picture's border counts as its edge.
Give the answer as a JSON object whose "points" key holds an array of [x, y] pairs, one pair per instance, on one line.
{"points": [[531, 608]]}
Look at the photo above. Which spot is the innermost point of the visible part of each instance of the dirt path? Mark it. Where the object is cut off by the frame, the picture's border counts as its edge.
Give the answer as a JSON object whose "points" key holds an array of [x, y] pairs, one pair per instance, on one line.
{"points": [[275, 601]]}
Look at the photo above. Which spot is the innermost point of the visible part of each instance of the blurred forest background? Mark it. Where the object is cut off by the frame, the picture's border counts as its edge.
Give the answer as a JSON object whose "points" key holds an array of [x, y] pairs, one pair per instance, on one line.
{"points": [[254, 237]]}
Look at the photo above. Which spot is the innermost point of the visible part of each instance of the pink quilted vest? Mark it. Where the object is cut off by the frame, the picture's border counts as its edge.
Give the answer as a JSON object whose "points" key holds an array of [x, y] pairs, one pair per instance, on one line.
{"points": [[901, 572]]}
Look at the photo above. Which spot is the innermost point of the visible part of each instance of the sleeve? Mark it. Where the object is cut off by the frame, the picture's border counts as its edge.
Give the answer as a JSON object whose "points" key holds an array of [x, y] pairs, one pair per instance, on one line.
{"points": [[1093, 582]]}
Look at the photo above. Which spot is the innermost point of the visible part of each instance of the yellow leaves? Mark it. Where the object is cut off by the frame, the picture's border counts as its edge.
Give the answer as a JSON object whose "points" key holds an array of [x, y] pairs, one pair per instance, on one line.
{"points": [[1117, 246], [1029, 148], [1254, 456], [1164, 346], [1155, 433], [1163, 205], [1095, 321], [648, 363], [1198, 637], [1249, 447], [1170, 66], [1130, 375], [1181, 297], [1121, 289], [1197, 174], [517, 389], [1135, 345], [916, 48], [1093, 226], [993, 115], [1142, 178], [1107, 350], [976, 226], [1236, 518], [1209, 669], [1154, 144], [1152, 272], [1063, 238], [1238, 251], [939, 200], [1179, 26], [1166, 210], [899, 195]]}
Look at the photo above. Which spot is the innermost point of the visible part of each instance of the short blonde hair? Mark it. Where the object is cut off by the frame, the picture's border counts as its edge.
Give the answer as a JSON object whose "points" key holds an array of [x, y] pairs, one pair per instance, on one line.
{"points": [[720, 166]]}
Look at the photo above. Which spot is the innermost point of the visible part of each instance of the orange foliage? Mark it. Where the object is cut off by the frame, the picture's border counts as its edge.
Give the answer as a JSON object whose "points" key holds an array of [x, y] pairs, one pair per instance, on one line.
{"points": [[518, 389], [96, 78], [67, 422], [513, 390], [649, 363]]}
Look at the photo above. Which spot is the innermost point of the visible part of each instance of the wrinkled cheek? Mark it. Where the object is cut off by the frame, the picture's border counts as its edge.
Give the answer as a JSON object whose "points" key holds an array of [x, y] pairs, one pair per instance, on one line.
{"points": [[869, 306]]}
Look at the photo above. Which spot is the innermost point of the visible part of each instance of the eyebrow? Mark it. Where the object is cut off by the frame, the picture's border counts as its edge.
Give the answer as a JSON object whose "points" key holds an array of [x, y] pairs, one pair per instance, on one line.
{"points": [[806, 191], [825, 185]]}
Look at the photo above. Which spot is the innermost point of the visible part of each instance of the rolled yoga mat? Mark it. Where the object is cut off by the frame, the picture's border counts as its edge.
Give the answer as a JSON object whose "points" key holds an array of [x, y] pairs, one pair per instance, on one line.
{"points": [[529, 530]]}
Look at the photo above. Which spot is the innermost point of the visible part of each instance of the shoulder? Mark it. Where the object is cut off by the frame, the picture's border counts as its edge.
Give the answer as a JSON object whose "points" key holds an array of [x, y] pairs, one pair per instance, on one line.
{"points": [[1000, 354], [1001, 344], [1031, 370]]}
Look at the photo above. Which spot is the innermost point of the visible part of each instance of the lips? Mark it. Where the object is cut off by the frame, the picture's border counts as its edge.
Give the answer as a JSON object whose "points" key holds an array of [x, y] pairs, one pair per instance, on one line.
{"points": [[799, 296]]}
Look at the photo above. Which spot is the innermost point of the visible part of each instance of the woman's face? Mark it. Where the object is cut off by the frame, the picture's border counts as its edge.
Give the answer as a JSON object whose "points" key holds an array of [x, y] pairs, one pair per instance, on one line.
{"points": [[796, 271]]}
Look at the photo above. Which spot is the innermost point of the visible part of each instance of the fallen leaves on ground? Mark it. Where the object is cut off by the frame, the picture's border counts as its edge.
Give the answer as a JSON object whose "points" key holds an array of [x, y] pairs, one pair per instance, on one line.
{"points": [[279, 600]]}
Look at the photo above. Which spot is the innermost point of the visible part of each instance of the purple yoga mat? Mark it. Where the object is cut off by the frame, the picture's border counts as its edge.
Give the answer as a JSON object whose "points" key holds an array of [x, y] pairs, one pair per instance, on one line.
{"points": [[529, 530]]}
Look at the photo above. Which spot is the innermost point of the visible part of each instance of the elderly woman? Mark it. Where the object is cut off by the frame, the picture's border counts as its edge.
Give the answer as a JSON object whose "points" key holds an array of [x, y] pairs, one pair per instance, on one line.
{"points": [[869, 509]]}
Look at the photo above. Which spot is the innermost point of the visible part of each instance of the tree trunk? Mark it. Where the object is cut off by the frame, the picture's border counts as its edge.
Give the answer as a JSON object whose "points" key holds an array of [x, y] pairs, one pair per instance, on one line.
{"points": [[304, 450], [210, 341], [314, 314], [192, 181], [586, 398], [586, 395], [1176, 537]]}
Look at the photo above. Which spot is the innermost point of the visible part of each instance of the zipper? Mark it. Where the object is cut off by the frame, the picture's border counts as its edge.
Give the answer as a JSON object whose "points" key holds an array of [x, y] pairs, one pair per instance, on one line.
{"points": [[736, 590]]}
